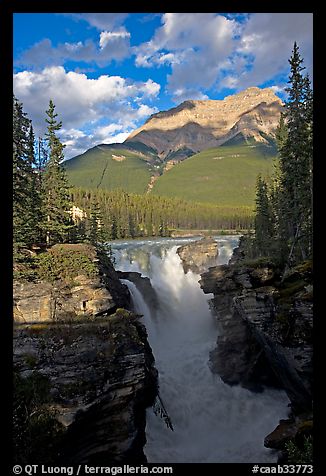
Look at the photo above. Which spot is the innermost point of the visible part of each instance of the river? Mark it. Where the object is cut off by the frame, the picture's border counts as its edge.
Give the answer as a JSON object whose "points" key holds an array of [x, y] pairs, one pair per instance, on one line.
{"points": [[213, 422]]}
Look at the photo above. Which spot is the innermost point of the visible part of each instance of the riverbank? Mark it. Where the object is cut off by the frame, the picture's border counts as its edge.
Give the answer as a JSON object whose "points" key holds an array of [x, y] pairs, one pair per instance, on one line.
{"points": [[189, 233]]}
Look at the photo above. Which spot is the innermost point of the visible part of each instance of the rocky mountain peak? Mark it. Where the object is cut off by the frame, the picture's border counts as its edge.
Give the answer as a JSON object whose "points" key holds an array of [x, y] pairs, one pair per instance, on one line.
{"points": [[202, 124]]}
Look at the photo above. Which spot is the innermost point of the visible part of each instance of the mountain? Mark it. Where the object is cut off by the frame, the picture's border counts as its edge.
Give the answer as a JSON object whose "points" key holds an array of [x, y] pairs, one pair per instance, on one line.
{"points": [[224, 175], [111, 167], [194, 126], [226, 144]]}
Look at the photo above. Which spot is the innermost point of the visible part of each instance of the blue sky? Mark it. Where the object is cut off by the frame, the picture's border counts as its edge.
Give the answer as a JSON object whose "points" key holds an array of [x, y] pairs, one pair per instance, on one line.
{"points": [[108, 72]]}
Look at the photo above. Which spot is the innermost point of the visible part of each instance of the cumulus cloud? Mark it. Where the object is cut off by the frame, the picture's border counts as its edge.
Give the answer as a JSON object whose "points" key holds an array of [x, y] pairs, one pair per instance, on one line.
{"points": [[214, 51], [82, 102], [279, 88], [200, 53], [110, 134], [182, 94], [101, 21], [109, 37], [265, 45], [112, 45], [194, 45], [77, 141]]}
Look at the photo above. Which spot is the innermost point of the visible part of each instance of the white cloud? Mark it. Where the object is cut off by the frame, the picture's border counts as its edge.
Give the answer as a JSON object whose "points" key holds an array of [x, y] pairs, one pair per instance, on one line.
{"points": [[77, 142], [209, 50], [121, 137], [109, 37], [168, 58], [73, 47], [229, 82], [71, 134], [101, 21], [183, 94], [278, 89], [108, 130], [145, 111], [150, 88], [196, 46], [265, 45], [112, 45], [82, 103], [202, 51], [148, 60]]}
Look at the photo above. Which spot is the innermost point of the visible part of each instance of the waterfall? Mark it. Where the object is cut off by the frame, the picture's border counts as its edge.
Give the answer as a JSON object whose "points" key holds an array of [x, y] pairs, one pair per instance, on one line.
{"points": [[140, 307], [212, 421]]}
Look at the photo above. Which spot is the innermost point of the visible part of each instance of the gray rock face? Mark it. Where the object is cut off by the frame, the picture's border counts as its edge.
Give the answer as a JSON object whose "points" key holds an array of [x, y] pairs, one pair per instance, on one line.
{"points": [[234, 350], [265, 329], [199, 255], [230, 358], [237, 358], [101, 378], [291, 363], [111, 281]]}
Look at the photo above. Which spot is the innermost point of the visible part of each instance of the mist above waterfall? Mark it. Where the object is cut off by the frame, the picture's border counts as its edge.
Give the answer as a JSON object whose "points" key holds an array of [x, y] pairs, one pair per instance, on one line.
{"points": [[213, 422]]}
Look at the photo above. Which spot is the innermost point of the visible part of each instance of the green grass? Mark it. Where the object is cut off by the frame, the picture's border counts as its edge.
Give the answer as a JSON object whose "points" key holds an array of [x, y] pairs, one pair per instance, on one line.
{"points": [[97, 169], [224, 176]]}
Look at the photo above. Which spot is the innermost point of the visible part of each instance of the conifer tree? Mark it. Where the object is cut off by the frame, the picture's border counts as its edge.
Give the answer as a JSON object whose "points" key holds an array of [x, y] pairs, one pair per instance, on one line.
{"points": [[114, 228], [279, 248], [96, 233], [263, 220], [26, 206], [296, 163], [57, 223], [281, 132], [21, 170], [149, 223], [288, 203], [132, 226], [41, 157]]}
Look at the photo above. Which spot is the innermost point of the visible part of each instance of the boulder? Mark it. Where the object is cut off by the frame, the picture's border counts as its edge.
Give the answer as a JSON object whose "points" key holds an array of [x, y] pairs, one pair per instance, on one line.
{"points": [[285, 431], [199, 255], [291, 429]]}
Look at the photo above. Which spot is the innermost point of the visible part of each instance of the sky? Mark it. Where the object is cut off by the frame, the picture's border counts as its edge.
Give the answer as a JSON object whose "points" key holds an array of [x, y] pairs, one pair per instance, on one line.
{"points": [[108, 72]]}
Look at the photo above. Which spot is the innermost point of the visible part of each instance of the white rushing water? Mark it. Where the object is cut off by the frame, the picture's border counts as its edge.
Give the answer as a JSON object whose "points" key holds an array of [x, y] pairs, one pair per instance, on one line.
{"points": [[213, 422]]}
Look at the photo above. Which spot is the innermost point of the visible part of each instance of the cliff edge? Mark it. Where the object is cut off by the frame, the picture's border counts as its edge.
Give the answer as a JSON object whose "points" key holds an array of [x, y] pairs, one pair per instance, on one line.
{"points": [[84, 371]]}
